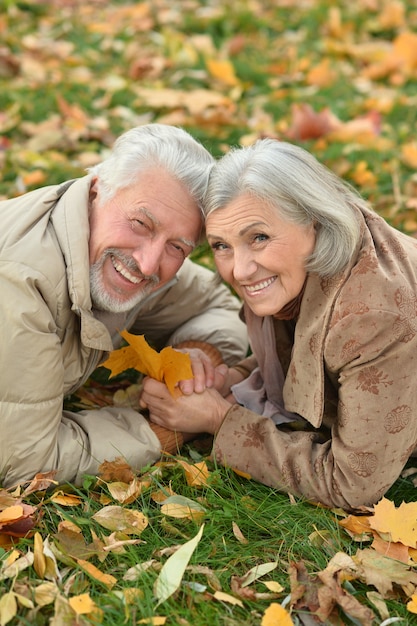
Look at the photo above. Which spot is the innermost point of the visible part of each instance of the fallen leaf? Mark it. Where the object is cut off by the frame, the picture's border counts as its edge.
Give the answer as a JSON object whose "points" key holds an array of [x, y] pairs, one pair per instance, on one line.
{"points": [[82, 604], [182, 507], [18, 566], [66, 499], [383, 572], [117, 470], [93, 571], [238, 533], [276, 614], [273, 586], [256, 572], [8, 608], [399, 523], [173, 570], [226, 597], [125, 493], [46, 593], [412, 604], [196, 474], [117, 518]]}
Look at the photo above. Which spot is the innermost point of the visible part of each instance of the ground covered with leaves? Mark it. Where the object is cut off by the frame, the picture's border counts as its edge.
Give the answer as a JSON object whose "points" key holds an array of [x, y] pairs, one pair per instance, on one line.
{"points": [[186, 542]]}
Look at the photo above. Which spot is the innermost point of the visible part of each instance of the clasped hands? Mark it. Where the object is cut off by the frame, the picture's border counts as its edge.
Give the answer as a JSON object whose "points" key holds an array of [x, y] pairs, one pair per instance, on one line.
{"points": [[205, 401]]}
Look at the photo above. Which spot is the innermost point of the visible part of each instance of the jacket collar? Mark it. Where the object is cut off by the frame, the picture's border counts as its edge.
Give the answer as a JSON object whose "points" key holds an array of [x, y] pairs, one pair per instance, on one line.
{"points": [[304, 385], [71, 224]]}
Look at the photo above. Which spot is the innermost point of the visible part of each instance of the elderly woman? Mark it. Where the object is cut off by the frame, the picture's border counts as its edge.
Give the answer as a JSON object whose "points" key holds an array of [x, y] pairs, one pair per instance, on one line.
{"points": [[326, 407]]}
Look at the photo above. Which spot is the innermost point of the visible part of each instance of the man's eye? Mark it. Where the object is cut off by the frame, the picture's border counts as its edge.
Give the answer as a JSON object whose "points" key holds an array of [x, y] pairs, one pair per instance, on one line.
{"points": [[138, 225], [178, 250]]}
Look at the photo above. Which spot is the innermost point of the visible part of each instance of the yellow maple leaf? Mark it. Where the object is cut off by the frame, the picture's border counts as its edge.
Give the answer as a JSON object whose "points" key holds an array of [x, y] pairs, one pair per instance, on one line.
{"points": [[400, 523], [82, 604], [168, 366], [196, 474]]}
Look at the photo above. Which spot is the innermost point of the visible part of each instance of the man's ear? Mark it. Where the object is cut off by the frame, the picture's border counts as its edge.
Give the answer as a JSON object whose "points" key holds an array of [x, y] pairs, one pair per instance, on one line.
{"points": [[93, 189]]}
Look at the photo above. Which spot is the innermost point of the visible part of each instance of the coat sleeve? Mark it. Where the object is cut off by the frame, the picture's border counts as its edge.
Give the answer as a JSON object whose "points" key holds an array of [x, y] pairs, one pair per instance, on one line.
{"points": [[369, 440], [197, 307], [35, 434]]}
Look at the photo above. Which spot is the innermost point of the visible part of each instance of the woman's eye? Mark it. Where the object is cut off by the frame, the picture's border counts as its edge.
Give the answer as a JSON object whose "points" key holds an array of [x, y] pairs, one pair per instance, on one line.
{"points": [[260, 237], [218, 246]]}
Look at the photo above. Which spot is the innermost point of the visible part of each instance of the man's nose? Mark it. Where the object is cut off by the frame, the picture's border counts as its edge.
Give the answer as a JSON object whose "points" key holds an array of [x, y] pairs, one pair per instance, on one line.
{"points": [[148, 256]]}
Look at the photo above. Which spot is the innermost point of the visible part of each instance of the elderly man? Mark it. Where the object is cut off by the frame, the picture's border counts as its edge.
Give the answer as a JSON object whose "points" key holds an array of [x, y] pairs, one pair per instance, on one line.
{"points": [[78, 263]]}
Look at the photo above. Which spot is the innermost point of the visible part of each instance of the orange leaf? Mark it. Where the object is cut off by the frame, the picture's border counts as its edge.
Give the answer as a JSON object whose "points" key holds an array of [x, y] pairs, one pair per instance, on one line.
{"points": [[197, 474], [82, 604], [223, 70], [412, 604], [276, 614], [168, 366], [107, 580]]}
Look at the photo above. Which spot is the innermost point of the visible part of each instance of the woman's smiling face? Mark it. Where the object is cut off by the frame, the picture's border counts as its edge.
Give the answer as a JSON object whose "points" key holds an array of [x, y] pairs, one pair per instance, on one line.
{"points": [[261, 255]]}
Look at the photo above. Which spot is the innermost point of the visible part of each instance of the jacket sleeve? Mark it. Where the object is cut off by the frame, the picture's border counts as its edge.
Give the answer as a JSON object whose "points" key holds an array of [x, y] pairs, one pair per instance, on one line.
{"points": [[197, 307], [369, 440], [36, 435]]}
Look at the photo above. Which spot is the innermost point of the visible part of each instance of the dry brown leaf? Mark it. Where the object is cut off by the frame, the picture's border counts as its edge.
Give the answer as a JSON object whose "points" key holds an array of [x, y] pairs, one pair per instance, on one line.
{"points": [[383, 572], [117, 470], [238, 533], [125, 493]]}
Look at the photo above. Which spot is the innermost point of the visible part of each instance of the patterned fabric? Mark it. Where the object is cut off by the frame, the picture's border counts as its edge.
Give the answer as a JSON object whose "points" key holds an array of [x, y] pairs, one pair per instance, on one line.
{"points": [[350, 366]]}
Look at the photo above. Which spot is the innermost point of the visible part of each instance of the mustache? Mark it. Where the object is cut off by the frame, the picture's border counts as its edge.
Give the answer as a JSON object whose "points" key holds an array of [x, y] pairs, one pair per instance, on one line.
{"points": [[131, 265]]}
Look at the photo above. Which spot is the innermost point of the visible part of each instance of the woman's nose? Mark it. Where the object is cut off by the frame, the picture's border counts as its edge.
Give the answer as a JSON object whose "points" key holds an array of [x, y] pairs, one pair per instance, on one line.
{"points": [[244, 265]]}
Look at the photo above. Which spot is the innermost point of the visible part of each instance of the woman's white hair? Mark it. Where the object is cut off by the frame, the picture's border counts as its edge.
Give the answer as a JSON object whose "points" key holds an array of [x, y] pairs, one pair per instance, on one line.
{"points": [[154, 145], [301, 189]]}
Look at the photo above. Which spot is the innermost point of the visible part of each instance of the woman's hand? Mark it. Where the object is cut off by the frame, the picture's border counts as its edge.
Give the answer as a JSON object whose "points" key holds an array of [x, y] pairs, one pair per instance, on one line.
{"points": [[196, 413]]}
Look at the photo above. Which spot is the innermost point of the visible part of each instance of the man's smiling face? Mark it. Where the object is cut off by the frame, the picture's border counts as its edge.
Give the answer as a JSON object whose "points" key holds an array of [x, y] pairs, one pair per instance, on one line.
{"points": [[139, 238]]}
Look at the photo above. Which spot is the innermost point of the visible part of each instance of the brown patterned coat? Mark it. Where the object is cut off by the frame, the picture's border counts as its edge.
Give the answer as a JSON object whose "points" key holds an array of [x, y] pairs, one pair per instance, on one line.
{"points": [[350, 365]]}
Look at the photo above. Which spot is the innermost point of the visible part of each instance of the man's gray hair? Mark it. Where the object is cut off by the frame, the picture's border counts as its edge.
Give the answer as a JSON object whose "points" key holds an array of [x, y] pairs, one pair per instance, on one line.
{"points": [[301, 189], [154, 145]]}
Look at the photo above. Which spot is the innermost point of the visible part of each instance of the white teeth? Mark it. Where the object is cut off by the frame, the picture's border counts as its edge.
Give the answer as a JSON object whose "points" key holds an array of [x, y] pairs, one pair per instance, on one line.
{"points": [[123, 271], [259, 286]]}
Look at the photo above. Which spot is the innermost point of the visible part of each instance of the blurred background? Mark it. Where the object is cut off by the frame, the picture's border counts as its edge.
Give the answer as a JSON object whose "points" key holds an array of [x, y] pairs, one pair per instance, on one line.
{"points": [[338, 78]]}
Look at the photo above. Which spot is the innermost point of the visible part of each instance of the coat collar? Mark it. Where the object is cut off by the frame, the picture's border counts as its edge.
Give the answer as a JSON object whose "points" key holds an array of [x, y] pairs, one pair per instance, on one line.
{"points": [[304, 385], [71, 224]]}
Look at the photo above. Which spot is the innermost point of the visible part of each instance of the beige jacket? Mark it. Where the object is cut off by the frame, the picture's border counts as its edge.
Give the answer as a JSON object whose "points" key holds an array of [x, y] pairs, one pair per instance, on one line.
{"points": [[350, 365], [51, 340]]}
